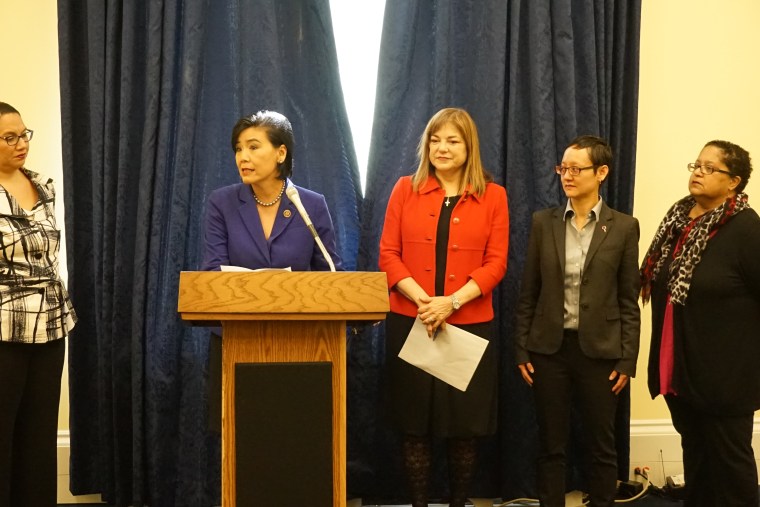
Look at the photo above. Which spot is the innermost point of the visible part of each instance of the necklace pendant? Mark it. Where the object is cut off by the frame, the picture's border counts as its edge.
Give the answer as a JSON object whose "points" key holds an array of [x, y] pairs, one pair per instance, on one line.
{"points": [[447, 201]]}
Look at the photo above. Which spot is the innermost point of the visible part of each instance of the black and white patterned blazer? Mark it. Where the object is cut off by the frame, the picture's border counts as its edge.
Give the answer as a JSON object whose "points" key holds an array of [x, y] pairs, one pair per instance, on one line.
{"points": [[34, 304]]}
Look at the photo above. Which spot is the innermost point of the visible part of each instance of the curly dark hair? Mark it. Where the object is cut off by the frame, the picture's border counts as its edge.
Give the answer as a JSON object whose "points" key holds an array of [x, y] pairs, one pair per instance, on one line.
{"points": [[736, 159]]}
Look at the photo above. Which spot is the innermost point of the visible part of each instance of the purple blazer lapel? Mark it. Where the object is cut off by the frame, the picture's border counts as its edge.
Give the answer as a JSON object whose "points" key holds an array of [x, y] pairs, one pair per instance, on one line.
{"points": [[285, 216], [249, 215]]}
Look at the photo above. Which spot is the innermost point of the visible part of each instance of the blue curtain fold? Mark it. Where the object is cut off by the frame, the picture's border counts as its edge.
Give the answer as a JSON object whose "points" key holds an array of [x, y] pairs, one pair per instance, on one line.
{"points": [[533, 74], [150, 91]]}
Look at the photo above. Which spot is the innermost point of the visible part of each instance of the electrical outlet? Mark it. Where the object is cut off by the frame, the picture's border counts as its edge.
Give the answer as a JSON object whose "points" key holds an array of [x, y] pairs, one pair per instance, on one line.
{"points": [[676, 481]]}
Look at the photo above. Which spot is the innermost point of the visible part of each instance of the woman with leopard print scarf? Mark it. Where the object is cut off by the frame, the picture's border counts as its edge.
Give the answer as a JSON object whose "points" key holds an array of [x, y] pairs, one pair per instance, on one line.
{"points": [[703, 278]]}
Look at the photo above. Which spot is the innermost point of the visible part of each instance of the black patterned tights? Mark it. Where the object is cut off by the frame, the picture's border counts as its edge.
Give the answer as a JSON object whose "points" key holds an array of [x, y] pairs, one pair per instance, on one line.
{"points": [[417, 458], [417, 465], [462, 454]]}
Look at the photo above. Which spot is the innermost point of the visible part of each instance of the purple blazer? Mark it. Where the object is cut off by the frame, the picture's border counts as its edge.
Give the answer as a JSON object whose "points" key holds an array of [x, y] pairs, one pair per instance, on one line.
{"points": [[233, 234]]}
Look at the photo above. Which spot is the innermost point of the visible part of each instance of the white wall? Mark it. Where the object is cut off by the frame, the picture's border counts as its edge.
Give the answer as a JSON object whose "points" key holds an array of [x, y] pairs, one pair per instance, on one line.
{"points": [[357, 27]]}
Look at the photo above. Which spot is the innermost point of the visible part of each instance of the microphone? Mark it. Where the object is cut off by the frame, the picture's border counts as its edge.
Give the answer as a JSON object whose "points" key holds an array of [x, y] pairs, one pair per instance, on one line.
{"points": [[292, 194]]}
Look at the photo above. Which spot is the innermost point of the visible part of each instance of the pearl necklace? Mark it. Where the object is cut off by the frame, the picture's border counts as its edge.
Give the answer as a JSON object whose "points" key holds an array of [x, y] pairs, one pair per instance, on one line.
{"points": [[276, 199]]}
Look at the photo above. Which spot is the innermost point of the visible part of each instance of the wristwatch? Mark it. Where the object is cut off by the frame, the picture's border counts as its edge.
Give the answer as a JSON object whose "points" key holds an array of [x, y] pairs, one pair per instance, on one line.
{"points": [[455, 302]]}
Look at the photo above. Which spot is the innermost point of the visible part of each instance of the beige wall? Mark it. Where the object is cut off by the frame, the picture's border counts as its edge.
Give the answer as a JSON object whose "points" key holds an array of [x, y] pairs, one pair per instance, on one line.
{"points": [[699, 74], [29, 82], [699, 81]]}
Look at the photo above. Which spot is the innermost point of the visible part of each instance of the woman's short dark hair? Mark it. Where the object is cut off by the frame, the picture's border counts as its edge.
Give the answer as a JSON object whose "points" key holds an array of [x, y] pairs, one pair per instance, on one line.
{"points": [[6, 108], [600, 152], [279, 131], [736, 159]]}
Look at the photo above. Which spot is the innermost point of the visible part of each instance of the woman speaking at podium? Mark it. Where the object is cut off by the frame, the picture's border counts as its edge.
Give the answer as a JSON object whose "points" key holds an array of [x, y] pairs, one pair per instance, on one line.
{"points": [[257, 224]]}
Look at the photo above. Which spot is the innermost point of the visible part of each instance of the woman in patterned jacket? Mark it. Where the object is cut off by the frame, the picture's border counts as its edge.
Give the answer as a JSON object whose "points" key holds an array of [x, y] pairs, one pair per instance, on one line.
{"points": [[35, 315]]}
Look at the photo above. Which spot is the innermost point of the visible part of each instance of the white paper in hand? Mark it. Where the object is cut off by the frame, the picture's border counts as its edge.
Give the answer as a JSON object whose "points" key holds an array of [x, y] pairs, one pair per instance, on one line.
{"points": [[452, 357]]}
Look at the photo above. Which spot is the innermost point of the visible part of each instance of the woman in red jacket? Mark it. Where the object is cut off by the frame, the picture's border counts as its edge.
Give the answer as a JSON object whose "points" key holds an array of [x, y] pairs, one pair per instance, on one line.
{"points": [[444, 248]]}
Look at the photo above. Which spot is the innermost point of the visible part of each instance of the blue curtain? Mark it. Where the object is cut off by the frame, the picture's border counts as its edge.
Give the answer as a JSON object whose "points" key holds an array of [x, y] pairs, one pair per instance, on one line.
{"points": [[150, 90], [533, 74]]}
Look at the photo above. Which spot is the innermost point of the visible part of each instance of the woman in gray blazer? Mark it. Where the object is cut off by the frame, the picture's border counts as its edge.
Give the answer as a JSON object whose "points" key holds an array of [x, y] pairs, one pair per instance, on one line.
{"points": [[578, 320]]}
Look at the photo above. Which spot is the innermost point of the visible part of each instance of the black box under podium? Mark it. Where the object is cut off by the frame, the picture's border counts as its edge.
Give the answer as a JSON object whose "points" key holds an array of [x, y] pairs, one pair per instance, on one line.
{"points": [[283, 426]]}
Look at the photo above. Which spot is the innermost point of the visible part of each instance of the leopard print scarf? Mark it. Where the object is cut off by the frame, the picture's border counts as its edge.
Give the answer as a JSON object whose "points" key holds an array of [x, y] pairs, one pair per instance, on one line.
{"points": [[693, 235]]}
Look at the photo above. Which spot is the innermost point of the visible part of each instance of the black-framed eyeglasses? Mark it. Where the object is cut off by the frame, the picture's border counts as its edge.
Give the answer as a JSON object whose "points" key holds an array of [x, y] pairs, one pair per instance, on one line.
{"points": [[574, 171], [12, 140], [706, 169]]}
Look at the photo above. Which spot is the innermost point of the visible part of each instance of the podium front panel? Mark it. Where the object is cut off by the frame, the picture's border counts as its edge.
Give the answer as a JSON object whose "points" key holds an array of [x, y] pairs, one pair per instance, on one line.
{"points": [[283, 434], [297, 343]]}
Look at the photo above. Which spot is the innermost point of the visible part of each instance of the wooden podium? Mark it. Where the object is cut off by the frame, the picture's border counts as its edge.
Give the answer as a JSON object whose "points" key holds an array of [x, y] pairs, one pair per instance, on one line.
{"points": [[285, 330]]}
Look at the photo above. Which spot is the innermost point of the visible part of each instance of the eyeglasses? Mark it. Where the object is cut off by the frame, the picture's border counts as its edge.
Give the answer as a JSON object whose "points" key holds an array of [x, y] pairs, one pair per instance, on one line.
{"points": [[706, 169], [574, 171], [12, 140]]}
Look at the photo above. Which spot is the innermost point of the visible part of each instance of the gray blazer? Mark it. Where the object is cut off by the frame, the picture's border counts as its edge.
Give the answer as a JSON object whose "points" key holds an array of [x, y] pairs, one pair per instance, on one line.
{"points": [[609, 320]]}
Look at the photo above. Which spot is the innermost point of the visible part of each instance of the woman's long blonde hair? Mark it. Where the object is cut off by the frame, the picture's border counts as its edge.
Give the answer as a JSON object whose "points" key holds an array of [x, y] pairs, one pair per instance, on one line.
{"points": [[475, 176]]}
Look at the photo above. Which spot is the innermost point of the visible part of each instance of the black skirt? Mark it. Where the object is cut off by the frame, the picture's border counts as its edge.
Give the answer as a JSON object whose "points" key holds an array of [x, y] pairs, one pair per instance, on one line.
{"points": [[420, 404]]}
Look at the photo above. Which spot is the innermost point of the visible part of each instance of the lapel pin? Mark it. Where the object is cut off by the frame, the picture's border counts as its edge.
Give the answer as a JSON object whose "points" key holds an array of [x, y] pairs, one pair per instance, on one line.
{"points": [[286, 213], [604, 228]]}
